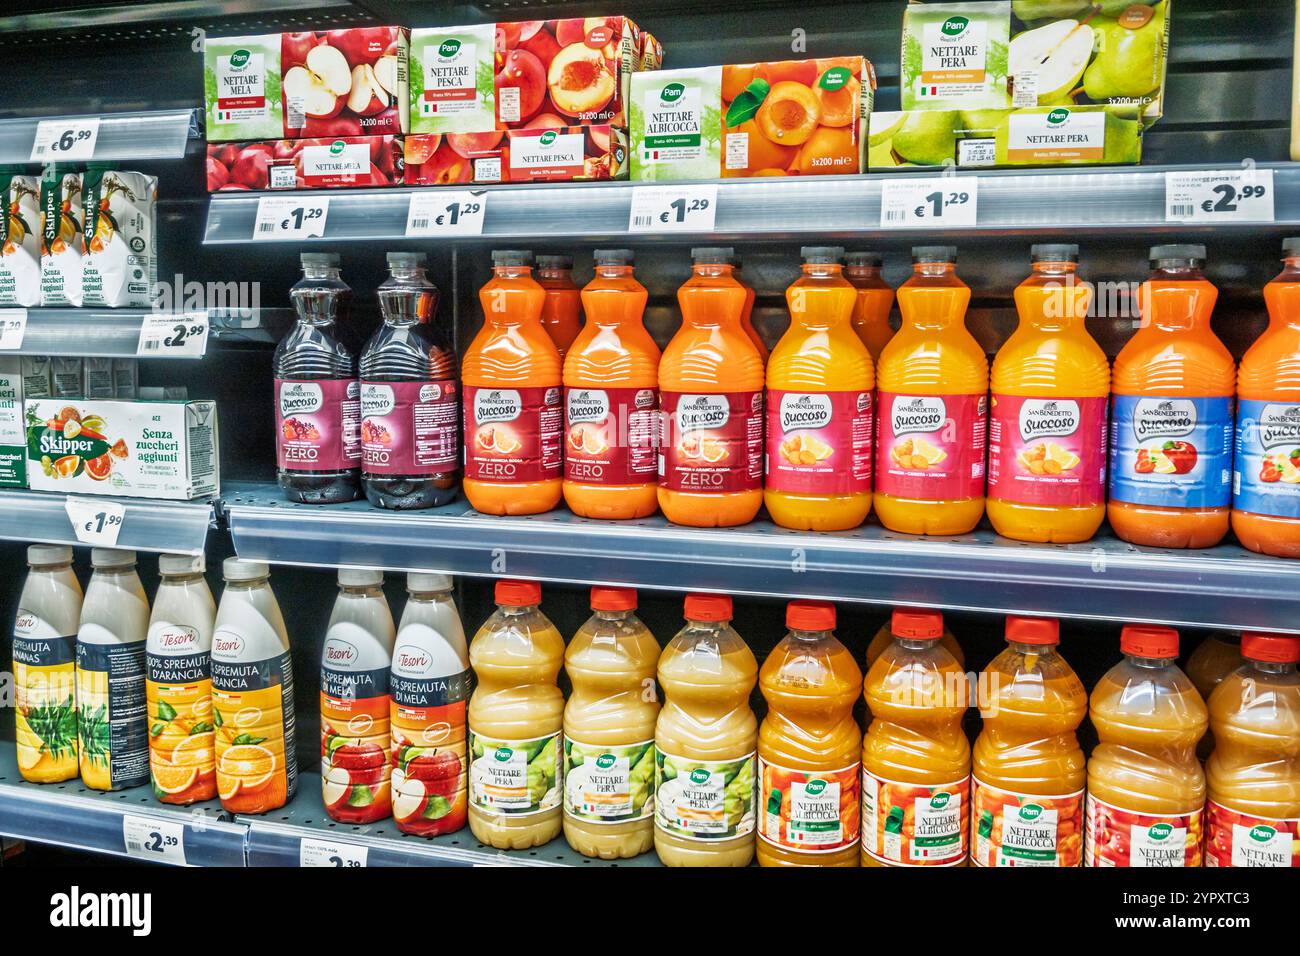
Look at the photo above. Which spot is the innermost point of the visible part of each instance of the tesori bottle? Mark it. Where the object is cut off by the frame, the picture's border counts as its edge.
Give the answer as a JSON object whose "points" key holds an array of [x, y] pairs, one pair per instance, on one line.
{"points": [[317, 395]]}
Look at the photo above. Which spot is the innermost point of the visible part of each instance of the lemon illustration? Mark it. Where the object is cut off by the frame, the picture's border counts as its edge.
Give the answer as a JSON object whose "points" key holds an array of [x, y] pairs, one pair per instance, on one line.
{"points": [[927, 451], [1062, 456]]}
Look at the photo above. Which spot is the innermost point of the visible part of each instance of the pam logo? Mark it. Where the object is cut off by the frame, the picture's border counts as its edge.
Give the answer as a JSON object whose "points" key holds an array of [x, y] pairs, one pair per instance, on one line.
{"points": [[1058, 116], [672, 92], [337, 147], [814, 788], [239, 59], [502, 754], [605, 761], [547, 138], [700, 776], [1160, 831], [1262, 833], [939, 801], [448, 48], [1030, 812], [954, 26]]}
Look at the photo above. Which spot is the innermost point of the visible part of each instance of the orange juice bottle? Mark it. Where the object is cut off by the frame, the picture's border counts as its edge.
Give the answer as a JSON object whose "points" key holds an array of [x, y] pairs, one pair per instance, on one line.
{"points": [[747, 316], [711, 396], [1252, 817], [1214, 659], [1266, 473], [1146, 789], [513, 412], [819, 418], [808, 745], [611, 399], [932, 406], [1047, 424], [1171, 417], [875, 299], [562, 309], [1027, 766]]}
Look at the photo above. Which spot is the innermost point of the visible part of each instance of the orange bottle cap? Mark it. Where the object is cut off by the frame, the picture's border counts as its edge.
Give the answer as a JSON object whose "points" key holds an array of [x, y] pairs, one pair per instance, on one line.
{"points": [[707, 607], [1270, 648], [810, 616], [1034, 630], [518, 593], [613, 599], [921, 625], [1148, 641]]}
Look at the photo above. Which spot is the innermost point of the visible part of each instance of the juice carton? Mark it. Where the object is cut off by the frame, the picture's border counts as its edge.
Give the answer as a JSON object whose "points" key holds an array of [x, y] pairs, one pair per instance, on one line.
{"points": [[62, 244], [556, 154], [66, 376], [13, 436], [955, 55], [36, 371], [320, 163], [20, 241], [120, 266]]}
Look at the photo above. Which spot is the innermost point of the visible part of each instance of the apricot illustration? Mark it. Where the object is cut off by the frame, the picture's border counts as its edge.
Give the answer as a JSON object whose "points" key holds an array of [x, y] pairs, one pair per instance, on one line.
{"points": [[734, 81], [803, 72], [789, 114], [570, 31], [418, 150], [445, 168], [763, 153], [522, 71], [830, 149], [838, 107], [471, 145], [580, 81]]}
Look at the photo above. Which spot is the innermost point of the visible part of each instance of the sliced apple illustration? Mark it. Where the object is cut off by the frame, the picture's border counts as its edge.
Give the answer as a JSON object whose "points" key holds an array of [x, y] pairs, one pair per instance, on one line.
{"points": [[409, 801], [322, 84], [368, 97], [336, 785], [386, 74], [1058, 53]]}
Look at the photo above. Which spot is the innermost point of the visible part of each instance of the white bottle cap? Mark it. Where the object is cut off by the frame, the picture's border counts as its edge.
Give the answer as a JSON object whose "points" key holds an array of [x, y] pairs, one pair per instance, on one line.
{"points": [[360, 577], [111, 558], [423, 582], [39, 554], [181, 564], [233, 569]]}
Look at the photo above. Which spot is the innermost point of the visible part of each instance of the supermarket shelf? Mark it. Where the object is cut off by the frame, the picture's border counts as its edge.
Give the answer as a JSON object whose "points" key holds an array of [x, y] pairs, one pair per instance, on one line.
{"points": [[1104, 579], [158, 134], [87, 332], [147, 525]]}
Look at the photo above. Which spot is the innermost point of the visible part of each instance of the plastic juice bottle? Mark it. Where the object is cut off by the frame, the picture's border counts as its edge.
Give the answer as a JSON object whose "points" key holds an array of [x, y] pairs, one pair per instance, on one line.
{"points": [[1266, 473], [808, 745], [874, 302], [182, 739], [820, 381], [252, 693], [1252, 817], [45, 669], [431, 682], [513, 409], [112, 716], [355, 743], [611, 399], [562, 311], [1214, 659], [1146, 789], [1171, 420], [410, 402], [916, 795], [1047, 426], [932, 406], [1027, 767], [885, 637], [317, 395], [711, 396], [609, 730], [705, 741], [516, 717], [747, 315]]}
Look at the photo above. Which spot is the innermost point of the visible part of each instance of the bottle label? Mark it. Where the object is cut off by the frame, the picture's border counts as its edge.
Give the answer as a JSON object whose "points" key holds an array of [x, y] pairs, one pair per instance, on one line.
{"points": [[409, 428], [1239, 839], [711, 443], [252, 707], [704, 799], [1116, 837], [318, 424], [1266, 475], [355, 763], [513, 434], [1026, 829], [609, 784], [1048, 451], [178, 685], [810, 811], [931, 447], [911, 824], [515, 777], [1171, 452], [819, 443], [611, 435], [112, 724], [45, 676]]}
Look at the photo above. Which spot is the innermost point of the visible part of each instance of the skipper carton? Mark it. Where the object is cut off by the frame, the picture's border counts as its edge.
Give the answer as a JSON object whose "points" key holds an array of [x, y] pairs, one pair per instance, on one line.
{"points": [[13, 437], [20, 239], [120, 266], [345, 162], [62, 243]]}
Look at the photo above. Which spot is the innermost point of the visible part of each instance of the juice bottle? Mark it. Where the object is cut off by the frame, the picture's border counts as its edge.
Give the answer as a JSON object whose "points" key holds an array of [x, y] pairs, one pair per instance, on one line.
{"points": [[516, 717], [1214, 659], [355, 743], [1266, 473], [609, 730], [112, 716], [611, 399], [1171, 420], [705, 741], [410, 406], [747, 314], [932, 406], [874, 302], [252, 693], [1027, 767], [808, 745], [885, 636], [915, 758], [1146, 789], [562, 310], [45, 668], [1047, 426], [711, 396], [430, 683], [1252, 817], [182, 741], [317, 395], [513, 412]]}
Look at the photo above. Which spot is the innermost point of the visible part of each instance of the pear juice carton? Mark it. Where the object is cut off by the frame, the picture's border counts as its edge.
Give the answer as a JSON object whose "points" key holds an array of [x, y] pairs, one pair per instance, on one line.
{"points": [[20, 239], [954, 55]]}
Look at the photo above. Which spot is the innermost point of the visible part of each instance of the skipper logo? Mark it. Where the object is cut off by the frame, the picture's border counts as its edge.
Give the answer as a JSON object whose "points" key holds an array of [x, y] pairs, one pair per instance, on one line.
{"points": [[1040, 418], [696, 412], [377, 400], [1163, 418], [910, 415], [805, 411], [299, 397], [587, 405], [497, 405]]}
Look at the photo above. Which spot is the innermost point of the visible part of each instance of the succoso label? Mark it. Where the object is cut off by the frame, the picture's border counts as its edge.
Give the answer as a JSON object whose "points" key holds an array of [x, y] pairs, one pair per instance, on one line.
{"points": [[609, 784]]}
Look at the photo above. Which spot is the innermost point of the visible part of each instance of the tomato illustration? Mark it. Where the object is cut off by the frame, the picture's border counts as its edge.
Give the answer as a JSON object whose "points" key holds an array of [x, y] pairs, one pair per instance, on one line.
{"points": [[1182, 455], [1270, 473], [1144, 465]]}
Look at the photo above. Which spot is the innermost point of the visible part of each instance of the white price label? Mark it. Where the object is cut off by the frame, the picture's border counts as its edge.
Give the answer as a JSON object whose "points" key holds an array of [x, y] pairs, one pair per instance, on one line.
{"points": [[673, 208], [161, 841], [96, 522], [291, 217], [324, 853], [446, 213], [1220, 195], [13, 326], [173, 335], [65, 140], [943, 203]]}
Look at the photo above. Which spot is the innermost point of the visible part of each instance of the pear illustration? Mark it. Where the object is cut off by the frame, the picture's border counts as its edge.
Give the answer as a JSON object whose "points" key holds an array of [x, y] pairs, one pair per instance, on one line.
{"points": [[1128, 57], [1058, 53], [928, 137]]}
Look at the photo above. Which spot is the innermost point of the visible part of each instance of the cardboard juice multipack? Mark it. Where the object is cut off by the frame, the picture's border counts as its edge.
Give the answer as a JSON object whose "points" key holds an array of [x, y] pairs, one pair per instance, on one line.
{"points": [[323, 163], [13, 437], [558, 154], [20, 239], [62, 243], [120, 264]]}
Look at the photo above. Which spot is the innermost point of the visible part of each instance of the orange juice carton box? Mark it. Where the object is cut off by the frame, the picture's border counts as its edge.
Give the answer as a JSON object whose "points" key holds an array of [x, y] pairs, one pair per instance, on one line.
{"points": [[20, 239], [554, 154], [339, 162]]}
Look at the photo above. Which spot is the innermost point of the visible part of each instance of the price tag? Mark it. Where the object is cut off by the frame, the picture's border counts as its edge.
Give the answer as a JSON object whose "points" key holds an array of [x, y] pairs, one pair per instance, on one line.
{"points": [[96, 522], [291, 217], [1220, 195], [442, 212], [673, 208], [65, 140], [173, 335], [161, 841], [323, 853], [13, 326], [943, 203]]}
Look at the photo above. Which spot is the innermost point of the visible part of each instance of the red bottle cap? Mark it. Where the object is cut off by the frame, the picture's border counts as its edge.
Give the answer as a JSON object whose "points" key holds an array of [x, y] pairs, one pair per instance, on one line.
{"points": [[518, 593], [1143, 640], [919, 625], [1034, 630], [1270, 648], [810, 616], [707, 607], [613, 599]]}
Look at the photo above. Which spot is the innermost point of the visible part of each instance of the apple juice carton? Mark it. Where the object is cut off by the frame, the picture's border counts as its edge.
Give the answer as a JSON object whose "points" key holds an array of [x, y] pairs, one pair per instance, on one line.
{"points": [[20, 239], [62, 244], [954, 55], [241, 87], [119, 231], [13, 436], [320, 163]]}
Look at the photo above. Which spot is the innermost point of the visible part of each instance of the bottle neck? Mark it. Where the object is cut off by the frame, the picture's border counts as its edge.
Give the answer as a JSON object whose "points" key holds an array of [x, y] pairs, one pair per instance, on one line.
{"points": [[556, 275], [253, 584], [916, 643], [50, 568], [613, 272], [516, 610], [513, 272], [321, 272], [1173, 309], [1036, 650], [934, 270], [1272, 668], [355, 590], [808, 637], [713, 270], [176, 580], [613, 616], [429, 597], [823, 270], [1290, 275], [862, 272], [1150, 663]]}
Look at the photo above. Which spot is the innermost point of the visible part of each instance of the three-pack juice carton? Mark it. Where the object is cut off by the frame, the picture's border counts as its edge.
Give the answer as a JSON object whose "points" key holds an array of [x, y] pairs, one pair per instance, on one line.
{"points": [[20, 239], [557, 154], [120, 236], [13, 436], [321, 163], [62, 243]]}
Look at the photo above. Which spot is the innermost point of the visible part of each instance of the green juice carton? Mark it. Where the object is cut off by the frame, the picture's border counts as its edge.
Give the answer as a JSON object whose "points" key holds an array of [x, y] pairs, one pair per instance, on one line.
{"points": [[954, 55], [13, 438]]}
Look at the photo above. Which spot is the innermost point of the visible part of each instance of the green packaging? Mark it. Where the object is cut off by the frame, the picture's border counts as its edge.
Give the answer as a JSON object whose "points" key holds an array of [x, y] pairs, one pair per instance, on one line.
{"points": [[954, 55]]}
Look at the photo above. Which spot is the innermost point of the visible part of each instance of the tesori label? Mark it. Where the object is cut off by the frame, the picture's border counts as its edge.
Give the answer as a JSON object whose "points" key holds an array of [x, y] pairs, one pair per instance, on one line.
{"points": [[318, 424], [611, 435], [1048, 451], [1266, 471], [1240, 839], [808, 811], [453, 87], [1056, 135], [931, 446], [705, 799], [513, 434], [112, 714], [1116, 837], [45, 695], [609, 784], [1024, 829], [20, 240], [712, 442], [242, 87], [1171, 452], [548, 154], [515, 777], [819, 442], [410, 428], [908, 824]]}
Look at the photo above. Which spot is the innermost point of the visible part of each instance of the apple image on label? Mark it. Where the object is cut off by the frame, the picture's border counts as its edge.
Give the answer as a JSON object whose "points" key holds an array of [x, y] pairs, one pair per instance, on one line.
{"points": [[294, 48], [440, 771], [336, 786], [409, 800], [369, 96], [321, 84]]}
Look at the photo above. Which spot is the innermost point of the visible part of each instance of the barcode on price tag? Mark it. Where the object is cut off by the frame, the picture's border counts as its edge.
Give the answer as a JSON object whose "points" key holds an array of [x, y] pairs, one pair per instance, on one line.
{"points": [[446, 213], [673, 208], [66, 140], [325, 853], [173, 335], [162, 841], [13, 326], [945, 202], [291, 217], [1219, 195], [95, 522]]}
